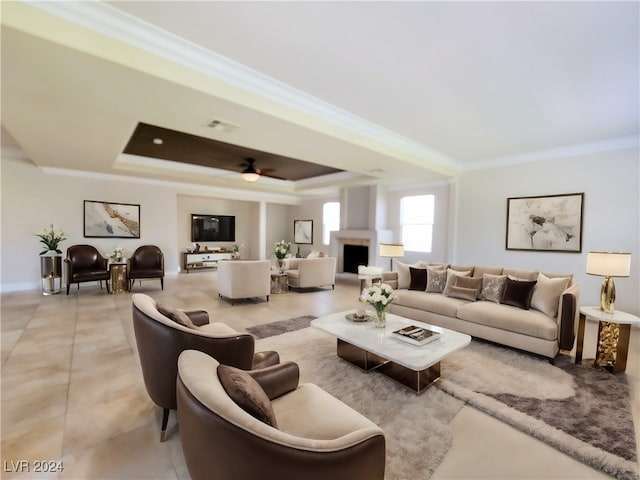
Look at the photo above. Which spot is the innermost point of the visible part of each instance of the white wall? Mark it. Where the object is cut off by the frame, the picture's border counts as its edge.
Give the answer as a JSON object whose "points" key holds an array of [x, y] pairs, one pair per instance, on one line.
{"points": [[312, 209], [246, 233], [611, 222], [440, 242], [33, 199]]}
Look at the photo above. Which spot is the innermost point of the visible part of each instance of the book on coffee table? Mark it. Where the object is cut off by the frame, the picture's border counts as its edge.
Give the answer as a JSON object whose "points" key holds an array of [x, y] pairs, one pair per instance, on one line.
{"points": [[416, 335]]}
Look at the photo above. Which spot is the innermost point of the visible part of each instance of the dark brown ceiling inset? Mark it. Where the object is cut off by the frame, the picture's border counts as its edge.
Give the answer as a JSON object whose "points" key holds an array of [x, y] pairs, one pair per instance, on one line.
{"points": [[187, 148]]}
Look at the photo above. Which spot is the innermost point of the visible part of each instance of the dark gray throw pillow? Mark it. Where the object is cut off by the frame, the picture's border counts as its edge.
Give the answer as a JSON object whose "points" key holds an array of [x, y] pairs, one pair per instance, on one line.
{"points": [[518, 293], [247, 393], [176, 315]]}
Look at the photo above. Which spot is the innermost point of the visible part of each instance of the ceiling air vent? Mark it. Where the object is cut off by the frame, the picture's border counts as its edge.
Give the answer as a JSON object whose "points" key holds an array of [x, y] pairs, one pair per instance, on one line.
{"points": [[222, 125]]}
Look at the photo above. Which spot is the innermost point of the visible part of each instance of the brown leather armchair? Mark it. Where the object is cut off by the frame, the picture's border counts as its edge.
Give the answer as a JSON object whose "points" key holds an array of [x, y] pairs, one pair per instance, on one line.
{"points": [[146, 262], [317, 436], [85, 264], [160, 341]]}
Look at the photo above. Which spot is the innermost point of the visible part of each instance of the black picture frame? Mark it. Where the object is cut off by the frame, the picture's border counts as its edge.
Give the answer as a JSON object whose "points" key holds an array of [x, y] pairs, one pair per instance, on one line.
{"points": [[545, 223], [111, 220], [303, 232]]}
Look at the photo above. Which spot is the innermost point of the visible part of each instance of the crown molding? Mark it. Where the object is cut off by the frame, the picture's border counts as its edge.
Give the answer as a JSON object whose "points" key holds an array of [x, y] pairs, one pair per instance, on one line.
{"points": [[183, 187], [107, 20], [619, 143], [14, 152]]}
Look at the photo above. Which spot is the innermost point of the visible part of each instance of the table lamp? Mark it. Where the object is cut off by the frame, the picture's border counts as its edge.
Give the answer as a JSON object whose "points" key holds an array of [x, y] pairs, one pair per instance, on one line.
{"points": [[608, 265], [391, 250]]}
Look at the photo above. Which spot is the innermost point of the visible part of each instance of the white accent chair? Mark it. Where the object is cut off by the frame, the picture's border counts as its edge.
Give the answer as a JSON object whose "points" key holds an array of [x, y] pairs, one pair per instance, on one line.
{"points": [[244, 279], [311, 272]]}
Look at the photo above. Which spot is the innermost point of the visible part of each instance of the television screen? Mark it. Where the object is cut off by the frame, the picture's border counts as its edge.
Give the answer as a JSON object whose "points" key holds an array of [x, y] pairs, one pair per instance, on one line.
{"points": [[213, 228]]}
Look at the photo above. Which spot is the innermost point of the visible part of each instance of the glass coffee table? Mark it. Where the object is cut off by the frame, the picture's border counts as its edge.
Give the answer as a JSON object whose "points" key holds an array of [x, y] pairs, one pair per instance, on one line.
{"points": [[371, 348]]}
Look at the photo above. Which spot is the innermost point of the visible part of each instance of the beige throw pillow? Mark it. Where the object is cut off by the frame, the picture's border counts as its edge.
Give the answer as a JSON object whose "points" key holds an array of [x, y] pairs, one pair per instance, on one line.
{"points": [[547, 292], [451, 276]]}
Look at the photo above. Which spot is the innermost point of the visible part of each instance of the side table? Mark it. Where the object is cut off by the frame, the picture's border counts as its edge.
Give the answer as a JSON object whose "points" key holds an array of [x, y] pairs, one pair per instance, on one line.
{"points": [[614, 330], [118, 274], [278, 282]]}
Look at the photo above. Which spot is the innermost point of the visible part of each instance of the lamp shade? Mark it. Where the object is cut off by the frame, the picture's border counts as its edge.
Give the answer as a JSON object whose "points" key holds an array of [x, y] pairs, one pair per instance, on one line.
{"points": [[609, 264], [392, 250]]}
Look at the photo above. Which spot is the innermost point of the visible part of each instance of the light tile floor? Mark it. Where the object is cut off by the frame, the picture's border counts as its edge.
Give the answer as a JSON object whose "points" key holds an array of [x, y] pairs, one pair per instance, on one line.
{"points": [[72, 390]]}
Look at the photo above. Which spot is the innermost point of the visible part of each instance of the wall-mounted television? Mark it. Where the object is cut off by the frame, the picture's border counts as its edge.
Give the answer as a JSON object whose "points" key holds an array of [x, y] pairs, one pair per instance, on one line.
{"points": [[213, 228]]}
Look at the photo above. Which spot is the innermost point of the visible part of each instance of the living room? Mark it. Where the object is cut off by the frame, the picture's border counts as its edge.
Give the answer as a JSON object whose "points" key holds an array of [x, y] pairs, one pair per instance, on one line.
{"points": [[469, 227]]}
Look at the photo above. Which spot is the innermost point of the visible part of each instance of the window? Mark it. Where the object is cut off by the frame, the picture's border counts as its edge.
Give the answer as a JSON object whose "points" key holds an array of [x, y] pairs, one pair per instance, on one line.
{"points": [[416, 222], [330, 220]]}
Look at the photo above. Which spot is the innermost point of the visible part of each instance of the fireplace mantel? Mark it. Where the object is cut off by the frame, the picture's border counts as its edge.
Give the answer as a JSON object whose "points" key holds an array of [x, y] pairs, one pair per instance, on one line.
{"points": [[371, 238]]}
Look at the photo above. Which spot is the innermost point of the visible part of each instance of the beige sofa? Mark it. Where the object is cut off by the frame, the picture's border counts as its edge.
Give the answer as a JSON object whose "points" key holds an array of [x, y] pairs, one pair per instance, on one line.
{"points": [[244, 279], [541, 319], [311, 272]]}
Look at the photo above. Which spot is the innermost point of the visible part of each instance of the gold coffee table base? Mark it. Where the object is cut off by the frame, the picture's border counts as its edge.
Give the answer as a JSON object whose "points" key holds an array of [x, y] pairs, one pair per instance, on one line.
{"points": [[417, 381]]}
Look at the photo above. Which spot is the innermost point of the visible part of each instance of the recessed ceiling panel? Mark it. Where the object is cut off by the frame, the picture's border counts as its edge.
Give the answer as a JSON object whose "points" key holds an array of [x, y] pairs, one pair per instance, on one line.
{"points": [[157, 142]]}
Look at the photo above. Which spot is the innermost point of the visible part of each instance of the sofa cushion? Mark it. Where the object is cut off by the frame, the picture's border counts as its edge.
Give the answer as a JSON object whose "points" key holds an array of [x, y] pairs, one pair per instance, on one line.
{"points": [[418, 279], [451, 276], [546, 294], [247, 393], [404, 276], [492, 287], [480, 271], [429, 302], [176, 315], [521, 274], [518, 293], [468, 282], [436, 279], [513, 319]]}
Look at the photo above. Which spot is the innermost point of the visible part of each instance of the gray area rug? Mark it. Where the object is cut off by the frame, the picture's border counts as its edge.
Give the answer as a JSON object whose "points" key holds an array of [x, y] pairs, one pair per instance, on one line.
{"points": [[280, 327], [577, 409]]}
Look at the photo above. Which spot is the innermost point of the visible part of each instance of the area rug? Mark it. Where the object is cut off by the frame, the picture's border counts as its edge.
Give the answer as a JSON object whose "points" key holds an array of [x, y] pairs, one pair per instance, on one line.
{"points": [[280, 327], [577, 409]]}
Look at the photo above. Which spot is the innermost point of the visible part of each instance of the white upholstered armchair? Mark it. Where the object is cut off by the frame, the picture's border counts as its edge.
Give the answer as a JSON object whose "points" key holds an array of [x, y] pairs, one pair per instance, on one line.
{"points": [[311, 272], [244, 279]]}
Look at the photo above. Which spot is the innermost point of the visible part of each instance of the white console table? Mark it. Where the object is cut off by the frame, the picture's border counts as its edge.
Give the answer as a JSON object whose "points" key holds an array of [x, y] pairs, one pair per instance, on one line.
{"points": [[199, 260]]}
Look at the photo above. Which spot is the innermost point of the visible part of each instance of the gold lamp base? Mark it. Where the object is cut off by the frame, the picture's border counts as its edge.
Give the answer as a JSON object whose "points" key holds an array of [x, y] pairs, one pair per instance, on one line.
{"points": [[607, 295]]}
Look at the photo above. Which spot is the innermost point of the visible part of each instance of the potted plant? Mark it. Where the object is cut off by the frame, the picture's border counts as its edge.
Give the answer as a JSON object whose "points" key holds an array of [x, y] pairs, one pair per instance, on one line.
{"points": [[51, 239], [281, 250], [380, 297]]}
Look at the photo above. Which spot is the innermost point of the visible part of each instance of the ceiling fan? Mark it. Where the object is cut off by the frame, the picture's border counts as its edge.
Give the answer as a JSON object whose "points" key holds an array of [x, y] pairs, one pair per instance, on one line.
{"points": [[252, 174]]}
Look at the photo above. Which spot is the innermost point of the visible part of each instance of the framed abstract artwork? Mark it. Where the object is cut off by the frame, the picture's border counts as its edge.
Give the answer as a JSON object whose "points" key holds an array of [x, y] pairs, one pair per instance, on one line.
{"points": [[549, 223], [303, 231], [111, 220]]}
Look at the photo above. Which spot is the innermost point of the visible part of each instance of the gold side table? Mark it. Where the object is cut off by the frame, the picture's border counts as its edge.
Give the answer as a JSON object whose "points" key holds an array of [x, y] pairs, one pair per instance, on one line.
{"points": [[118, 273], [614, 330], [279, 282]]}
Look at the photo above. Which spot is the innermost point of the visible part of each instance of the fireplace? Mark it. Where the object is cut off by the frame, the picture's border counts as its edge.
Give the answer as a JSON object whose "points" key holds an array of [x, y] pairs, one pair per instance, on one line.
{"points": [[354, 256]]}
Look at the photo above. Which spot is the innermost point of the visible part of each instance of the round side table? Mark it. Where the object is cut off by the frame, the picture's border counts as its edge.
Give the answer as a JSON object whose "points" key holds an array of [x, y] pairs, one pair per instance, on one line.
{"points": [[614, 330]]}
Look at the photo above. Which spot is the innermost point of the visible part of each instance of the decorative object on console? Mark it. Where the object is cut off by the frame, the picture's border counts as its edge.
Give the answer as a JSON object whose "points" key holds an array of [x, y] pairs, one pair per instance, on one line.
{"points": [[111, 220], [608, 265], [379, 296], [117, 254], [303, 232], [549, 223], [391, 250]]}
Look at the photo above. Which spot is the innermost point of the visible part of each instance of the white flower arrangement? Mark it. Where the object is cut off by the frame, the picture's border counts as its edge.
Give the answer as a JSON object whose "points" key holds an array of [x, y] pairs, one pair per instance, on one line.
{"points": [[117, 253], [379, 296], [51, 239], [281, 249]]}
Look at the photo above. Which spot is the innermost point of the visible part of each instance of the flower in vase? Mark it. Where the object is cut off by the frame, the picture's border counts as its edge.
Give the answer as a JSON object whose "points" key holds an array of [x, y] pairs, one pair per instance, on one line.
{"points": [[379, 296], [281, 249], [51, 239]]}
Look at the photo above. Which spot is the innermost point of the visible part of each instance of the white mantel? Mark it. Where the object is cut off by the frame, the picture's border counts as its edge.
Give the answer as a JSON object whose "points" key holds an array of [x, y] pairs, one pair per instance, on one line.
{"points": [[370, 238]]}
